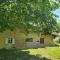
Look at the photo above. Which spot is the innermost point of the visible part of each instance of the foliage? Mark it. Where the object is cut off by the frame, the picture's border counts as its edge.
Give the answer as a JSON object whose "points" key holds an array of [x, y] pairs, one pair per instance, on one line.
{"points": [[28, 15], [57, 41], [58, 26]]}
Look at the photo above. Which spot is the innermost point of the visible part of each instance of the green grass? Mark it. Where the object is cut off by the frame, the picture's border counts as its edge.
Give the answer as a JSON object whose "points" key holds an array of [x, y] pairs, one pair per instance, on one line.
{"points": [[48, 53], [17, 54]]}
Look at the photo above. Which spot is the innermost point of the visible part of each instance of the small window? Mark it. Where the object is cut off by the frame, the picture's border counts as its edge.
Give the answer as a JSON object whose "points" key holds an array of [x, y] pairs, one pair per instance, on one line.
{"points": [[10, 40], [29, 40], [42, 40]]}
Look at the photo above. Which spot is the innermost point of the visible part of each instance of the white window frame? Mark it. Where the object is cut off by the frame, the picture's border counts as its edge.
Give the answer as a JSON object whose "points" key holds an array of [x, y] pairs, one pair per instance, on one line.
{"points": [[7, 40]]}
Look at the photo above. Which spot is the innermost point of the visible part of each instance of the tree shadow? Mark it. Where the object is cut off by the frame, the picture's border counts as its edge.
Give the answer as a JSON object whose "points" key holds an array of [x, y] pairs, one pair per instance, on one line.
{"points": [[15, 54]]}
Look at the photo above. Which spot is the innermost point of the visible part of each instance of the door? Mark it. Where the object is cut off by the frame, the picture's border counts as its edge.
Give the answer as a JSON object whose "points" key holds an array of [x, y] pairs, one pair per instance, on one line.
{"points": [[41, 42]]}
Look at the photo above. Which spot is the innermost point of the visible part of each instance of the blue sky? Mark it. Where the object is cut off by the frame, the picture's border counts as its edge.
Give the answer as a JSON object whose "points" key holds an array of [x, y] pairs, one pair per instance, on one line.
{"points": [[57, 12]]}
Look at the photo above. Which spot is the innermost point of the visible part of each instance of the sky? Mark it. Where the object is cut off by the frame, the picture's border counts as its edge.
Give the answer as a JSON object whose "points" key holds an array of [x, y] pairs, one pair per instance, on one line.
{"points": [[57, 12]]}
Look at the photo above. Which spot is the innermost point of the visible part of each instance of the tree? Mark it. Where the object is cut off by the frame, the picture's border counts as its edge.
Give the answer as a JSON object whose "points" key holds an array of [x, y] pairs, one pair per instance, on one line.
{"points": [[58, 26], [28, 15]]}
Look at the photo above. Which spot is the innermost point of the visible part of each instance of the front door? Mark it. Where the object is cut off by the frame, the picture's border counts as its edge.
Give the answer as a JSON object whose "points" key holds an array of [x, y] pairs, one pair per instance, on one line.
{"points": [[41, 42]]}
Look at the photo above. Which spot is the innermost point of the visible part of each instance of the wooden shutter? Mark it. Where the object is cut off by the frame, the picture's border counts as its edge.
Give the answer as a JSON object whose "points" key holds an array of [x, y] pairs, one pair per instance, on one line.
{"points": [[13, 41], [6, 41]]}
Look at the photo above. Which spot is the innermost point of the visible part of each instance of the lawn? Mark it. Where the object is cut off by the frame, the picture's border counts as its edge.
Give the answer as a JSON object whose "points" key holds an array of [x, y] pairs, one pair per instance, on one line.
{"points": [[18, 54], [48, 53]]}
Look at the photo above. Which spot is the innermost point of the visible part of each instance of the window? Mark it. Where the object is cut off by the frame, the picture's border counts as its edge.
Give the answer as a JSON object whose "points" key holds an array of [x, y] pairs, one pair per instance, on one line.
{"points": [[42, 40], [10, 41], [29, 40]]}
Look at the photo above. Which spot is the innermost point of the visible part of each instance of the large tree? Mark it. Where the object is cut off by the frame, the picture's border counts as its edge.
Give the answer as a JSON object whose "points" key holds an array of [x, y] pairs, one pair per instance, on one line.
{"points": [[28, 15]]}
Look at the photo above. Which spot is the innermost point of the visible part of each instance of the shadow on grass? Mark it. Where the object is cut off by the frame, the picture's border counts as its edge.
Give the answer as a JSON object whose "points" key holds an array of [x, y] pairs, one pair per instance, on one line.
{"points": [[15, 54]]}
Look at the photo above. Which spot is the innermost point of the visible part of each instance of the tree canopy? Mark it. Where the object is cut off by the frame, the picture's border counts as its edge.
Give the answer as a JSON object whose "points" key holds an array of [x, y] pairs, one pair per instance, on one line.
{"points": [[28, 15]]}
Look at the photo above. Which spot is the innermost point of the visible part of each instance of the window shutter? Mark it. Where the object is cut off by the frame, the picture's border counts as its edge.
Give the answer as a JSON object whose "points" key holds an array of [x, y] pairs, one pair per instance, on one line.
{"points": [[6, 41], [13, 41]]}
